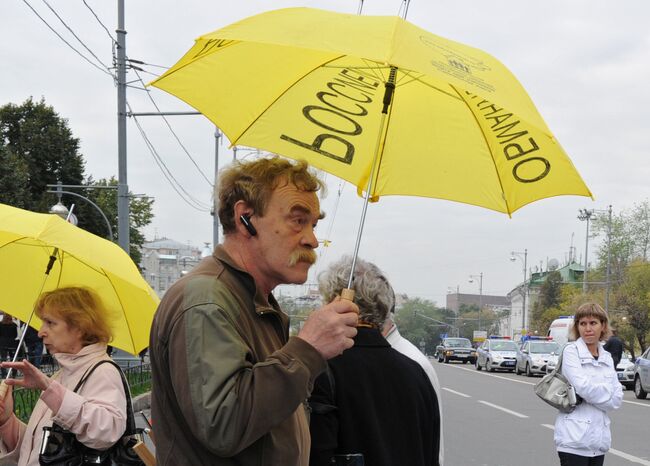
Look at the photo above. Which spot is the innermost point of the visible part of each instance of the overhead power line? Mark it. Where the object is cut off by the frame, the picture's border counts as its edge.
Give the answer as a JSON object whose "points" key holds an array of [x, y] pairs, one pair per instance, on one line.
{"points": [[100, 22], [196, 165], [103, 70], [175, 184]]}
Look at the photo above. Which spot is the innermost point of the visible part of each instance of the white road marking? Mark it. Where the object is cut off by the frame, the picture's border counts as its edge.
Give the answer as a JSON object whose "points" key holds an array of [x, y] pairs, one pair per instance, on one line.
{"points": [[455, 392], [622, 454], [637, 403], [505, 410], [494, 375], [627, 456]]}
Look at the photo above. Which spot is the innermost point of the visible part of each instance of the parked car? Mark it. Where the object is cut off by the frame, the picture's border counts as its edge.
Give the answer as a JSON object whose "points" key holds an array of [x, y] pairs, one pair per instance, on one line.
{"points": [[625, 371], [552, 359], [642, 375], [496, 353], [456, 349], [534, 355]]}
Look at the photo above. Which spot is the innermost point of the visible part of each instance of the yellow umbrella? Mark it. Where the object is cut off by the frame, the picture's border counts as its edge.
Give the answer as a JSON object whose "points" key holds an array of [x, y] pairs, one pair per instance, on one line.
{"points": [[29, 240], [379, 102]]}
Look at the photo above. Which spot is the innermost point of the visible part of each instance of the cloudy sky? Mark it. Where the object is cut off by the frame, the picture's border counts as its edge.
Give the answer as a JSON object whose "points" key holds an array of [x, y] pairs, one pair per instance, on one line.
{"points": [[585, 63]]}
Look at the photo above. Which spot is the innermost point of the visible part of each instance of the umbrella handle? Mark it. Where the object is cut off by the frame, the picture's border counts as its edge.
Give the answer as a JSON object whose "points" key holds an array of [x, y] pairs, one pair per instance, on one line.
{"points": [[347, 294], [3, 390]]}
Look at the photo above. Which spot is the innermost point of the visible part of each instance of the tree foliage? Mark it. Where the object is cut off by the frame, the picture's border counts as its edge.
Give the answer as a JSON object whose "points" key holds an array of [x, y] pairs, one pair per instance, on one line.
{"points": [[420, 320], [633, 298], [36, 148]]}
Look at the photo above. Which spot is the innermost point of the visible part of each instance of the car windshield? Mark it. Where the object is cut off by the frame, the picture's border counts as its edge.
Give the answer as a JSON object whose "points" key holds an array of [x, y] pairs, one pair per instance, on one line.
{"points": [[504, 346], [458, 342], [545, 347]]}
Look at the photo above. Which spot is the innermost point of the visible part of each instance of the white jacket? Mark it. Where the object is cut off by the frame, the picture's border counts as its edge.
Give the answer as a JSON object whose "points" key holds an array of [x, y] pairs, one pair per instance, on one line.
{"points": [[401, 344], [586, 430]]}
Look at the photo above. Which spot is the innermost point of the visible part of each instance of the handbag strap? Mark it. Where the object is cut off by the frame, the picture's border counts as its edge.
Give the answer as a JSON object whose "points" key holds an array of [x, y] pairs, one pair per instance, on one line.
{"points": [[130, 417], [558, 366]]}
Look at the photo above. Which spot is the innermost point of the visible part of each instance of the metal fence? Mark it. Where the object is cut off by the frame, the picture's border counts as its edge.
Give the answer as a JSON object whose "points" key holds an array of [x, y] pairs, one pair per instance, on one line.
{"points": [[137, 373]]}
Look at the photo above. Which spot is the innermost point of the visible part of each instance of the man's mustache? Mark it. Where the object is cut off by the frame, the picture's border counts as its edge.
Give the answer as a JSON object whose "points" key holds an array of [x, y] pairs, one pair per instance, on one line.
{"points": [[302, 255]]}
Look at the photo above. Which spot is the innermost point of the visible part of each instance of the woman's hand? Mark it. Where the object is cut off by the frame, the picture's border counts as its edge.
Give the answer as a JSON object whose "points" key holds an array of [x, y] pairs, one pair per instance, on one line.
{"points": [[7, 405], [32, 377]]}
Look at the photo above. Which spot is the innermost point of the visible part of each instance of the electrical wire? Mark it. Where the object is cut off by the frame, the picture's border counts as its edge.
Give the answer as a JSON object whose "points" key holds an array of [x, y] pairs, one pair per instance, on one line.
{"points": [[66, 42], [100, 22], [75, 35], [174, 133], [175, 184]]}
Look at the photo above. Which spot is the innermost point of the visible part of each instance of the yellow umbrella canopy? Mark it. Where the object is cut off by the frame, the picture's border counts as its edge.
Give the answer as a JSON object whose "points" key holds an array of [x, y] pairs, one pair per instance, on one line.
{"points": [[28, 239], [310, 84]]}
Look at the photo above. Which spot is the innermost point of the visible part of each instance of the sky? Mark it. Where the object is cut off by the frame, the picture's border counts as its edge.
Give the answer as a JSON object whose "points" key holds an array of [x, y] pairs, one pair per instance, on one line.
{"points": [[585, 64]]}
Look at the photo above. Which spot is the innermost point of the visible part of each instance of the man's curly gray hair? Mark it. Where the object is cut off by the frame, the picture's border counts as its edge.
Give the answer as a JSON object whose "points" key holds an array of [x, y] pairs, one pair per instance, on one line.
{"points": [[372, 292]]}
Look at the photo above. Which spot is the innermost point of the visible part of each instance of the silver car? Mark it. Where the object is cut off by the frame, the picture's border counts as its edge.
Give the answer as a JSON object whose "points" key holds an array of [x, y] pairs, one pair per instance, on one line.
{"points": [[496, 354], [642, 375], [534, 355]]}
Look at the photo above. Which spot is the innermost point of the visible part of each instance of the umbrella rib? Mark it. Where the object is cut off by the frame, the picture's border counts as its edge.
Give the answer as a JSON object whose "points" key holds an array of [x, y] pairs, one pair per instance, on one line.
{"points": [[278, 97], [117, 295], [503, 194]]}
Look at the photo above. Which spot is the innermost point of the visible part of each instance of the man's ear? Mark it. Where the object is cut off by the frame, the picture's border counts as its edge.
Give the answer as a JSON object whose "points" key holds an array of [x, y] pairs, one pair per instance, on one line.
{"points": [[243, 213]]}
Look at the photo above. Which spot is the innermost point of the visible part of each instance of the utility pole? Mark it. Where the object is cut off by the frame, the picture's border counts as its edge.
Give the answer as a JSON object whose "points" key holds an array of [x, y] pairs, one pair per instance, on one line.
{"points": [[513, 256], [585, 214], [609, 255], [122, 184], [215, 201], [480, 295]]}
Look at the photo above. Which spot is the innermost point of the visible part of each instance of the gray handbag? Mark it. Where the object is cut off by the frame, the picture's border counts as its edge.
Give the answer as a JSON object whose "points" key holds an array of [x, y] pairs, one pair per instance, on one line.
{"points": [[556, 390]]}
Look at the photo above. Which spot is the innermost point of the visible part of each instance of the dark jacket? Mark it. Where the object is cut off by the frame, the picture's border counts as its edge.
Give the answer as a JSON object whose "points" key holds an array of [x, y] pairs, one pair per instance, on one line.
{"points": [[615, 347], [382, 405], [228, 382]]}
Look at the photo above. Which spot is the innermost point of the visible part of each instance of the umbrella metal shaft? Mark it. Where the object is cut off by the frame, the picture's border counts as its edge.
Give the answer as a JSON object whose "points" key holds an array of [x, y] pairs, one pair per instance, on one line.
{"points": [[387, 101]]}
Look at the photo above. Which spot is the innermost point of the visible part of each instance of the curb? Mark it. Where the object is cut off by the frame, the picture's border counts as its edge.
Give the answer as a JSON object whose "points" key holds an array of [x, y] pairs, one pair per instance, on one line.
{"points": [[141, 402]]}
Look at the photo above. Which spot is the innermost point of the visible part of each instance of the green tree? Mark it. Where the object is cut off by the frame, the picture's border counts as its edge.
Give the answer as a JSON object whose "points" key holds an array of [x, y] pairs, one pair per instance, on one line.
{"points": [[633, 298], [413, 319], [140, 213], [36, 148], [14, 179], [548, 303]]}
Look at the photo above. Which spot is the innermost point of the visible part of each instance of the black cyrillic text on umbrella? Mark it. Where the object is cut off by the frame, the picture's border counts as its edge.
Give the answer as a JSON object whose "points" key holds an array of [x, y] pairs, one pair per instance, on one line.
{"points": [[507, 131], [350, 90]]}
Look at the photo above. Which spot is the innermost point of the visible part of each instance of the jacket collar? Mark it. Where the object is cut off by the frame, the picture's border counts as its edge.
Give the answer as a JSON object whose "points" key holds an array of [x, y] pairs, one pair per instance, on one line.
{"points": [[369, 337], [585, 355], [263, 304], [70, 362]]}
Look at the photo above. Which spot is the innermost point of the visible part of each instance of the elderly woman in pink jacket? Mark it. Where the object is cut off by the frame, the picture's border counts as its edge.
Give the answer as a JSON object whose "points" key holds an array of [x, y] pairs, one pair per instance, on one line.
{"points": [[75, 330]]}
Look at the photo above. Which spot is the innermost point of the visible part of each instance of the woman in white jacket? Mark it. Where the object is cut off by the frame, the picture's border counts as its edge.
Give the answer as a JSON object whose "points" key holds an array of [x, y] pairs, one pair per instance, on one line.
{"points": [[583, 437]]}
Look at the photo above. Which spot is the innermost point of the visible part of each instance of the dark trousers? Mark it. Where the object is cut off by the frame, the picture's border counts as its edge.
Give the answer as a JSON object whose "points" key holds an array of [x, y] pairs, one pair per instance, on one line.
{"points": [[569, 459]]}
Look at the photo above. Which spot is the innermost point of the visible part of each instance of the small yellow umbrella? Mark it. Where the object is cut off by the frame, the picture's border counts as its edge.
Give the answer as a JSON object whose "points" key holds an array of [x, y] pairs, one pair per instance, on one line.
{"points": [[379, 102], [30, 241]]}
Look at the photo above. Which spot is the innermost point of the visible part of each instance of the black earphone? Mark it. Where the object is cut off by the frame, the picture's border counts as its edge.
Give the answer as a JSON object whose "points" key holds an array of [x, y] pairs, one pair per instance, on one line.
{"points": [[246, 221]]}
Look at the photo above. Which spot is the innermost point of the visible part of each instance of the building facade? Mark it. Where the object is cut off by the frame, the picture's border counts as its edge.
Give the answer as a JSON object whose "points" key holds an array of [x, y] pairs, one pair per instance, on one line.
{"points": [[164, 261]]}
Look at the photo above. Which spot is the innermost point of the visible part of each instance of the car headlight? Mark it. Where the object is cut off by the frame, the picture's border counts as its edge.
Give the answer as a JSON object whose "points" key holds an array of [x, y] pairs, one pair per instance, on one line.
{"points": [[497, 357]]}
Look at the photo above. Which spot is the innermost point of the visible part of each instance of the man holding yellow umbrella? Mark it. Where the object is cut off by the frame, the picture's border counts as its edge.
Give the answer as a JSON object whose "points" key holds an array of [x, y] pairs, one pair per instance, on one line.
{"points": [[376, 101]]}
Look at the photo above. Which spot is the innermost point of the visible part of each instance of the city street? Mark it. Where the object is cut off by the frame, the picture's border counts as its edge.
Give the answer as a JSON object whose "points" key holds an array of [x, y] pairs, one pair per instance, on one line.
{"points": [[496, 419]]}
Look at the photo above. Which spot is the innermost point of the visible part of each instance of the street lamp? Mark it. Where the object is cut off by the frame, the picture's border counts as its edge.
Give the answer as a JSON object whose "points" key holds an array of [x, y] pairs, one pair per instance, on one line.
{"points": [[480, 294], [585, 215], [513, 257], [62, 211]]}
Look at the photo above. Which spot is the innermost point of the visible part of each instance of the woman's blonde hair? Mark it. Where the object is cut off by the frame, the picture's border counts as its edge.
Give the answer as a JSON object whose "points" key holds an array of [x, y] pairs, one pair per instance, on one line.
{"points": [[81, 308], [590, 310]]}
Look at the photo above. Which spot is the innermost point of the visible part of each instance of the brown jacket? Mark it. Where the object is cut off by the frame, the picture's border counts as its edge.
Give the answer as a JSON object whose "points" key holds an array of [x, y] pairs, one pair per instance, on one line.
{"points": [[229, 385]]}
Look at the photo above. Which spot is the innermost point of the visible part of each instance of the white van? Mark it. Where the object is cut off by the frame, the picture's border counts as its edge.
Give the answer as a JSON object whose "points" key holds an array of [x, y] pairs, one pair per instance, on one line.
{"points": [[559, 329]]}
